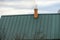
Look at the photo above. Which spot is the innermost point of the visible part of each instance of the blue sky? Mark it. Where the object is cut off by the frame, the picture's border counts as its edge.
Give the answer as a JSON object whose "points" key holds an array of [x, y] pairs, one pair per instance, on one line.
{"points": [[27, 6]]}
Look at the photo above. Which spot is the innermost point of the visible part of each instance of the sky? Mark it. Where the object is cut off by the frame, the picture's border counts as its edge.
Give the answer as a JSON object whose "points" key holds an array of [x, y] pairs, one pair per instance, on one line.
{"points": [[14, 7]]}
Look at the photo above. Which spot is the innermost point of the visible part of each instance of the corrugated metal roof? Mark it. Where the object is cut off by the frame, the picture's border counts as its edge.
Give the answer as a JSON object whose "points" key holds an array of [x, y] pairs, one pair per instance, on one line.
{"points": [[26, 27]]}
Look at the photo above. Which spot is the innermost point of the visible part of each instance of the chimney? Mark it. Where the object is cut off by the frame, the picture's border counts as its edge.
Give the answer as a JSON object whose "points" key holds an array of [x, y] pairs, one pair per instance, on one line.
{"points": [[35, 13], [35, 10]]}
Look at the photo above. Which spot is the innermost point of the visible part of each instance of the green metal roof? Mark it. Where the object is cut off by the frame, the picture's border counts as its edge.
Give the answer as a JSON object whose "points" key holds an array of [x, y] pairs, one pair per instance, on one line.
{"points": [[45, 27]]}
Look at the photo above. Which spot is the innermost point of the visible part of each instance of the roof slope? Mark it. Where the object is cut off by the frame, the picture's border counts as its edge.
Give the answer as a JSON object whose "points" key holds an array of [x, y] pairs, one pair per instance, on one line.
{"points": [[47, 26]]}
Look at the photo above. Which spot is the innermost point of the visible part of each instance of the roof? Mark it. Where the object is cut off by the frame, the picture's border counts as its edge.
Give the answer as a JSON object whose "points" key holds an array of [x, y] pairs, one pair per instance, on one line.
{"points": [[45, 27]]}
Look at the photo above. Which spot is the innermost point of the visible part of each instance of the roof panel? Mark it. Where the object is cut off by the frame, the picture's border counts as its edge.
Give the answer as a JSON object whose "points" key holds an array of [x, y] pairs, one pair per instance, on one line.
{"points": [[26, 27]]}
